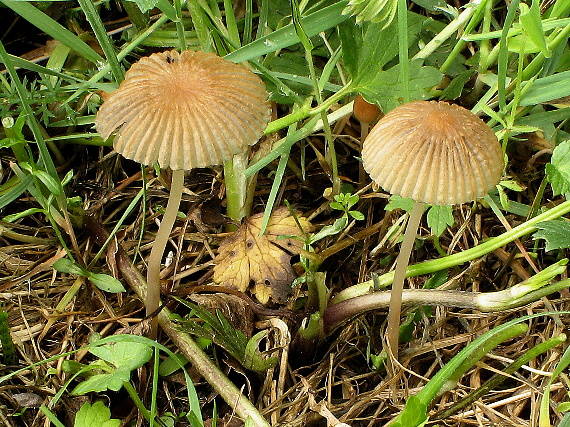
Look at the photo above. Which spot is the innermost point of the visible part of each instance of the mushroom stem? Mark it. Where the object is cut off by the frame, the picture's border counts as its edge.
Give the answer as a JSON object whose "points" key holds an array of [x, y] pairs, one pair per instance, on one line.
{"points": [[399, 276], [162, 236]]}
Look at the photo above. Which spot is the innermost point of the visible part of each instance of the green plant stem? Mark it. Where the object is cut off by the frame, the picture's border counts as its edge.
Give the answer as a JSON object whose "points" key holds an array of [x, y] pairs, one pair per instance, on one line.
{"points": [[305, 112], [153, 273], [187, 346], [236, 187], [180, 25], [485, 302], [474, 19], [393, 329], [101, 34], [498, 379], [403, 48], [137, 401], [458, 258], [448, 31], [326, 125], [284, 145]]}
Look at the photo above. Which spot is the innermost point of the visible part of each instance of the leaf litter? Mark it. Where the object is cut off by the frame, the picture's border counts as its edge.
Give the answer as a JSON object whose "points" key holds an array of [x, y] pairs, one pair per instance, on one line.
{"points": [[261, 263]]}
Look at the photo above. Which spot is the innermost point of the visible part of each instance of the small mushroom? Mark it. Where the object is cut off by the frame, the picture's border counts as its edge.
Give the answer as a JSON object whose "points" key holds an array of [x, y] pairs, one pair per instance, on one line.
{"points": [[182, 110], [367, 114], [431, 152]]}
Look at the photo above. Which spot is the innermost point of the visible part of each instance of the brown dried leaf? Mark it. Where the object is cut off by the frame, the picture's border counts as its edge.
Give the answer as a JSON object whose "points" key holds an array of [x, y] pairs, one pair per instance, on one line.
{"points": [[246, 258]]}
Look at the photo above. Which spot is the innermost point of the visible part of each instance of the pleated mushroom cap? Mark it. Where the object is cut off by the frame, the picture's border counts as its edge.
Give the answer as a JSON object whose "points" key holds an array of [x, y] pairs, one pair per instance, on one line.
{"points": [[433, 152], [185, 110]]}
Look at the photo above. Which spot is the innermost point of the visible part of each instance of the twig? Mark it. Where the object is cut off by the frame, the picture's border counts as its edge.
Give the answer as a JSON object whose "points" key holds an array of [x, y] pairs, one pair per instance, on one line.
{"points": [[201, 362]]}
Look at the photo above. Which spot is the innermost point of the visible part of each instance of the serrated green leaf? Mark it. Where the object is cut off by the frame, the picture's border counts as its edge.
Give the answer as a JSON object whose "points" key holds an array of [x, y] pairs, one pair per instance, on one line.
{"points": [[556, 233], [106, 282], [399, 202], [558, 170], [439, 218], [96, 415], [385, 88]]}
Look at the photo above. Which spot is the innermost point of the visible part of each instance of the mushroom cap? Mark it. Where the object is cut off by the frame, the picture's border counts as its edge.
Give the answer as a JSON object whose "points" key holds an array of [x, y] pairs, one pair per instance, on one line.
{"points": [[433, 152], [185, 110]]}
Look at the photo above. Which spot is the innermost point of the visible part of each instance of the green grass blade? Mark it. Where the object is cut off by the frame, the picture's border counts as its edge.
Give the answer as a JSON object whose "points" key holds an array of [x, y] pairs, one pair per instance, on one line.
{"points": [[12, 192], [45, 157], [504, 55], [104, 41], [313, 24], [52, 28]]}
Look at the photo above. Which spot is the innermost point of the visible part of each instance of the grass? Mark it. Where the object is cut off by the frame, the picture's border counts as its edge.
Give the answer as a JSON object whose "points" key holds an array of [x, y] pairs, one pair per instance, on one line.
{"points": [[62, 190]]}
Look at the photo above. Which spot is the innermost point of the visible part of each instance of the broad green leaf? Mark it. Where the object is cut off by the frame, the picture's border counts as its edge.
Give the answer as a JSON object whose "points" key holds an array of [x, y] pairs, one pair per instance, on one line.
{"points": [[399, 202], [556, 233], [123, 355], [96, 415], [531, 24], [351, 40], [558, 170], [455, 87], [106, 283], [379, 46], [359, 216], [330, 230], [439, 218], [547, 89], [253, 359], [102, 382], [67, 266], [385, 88]]}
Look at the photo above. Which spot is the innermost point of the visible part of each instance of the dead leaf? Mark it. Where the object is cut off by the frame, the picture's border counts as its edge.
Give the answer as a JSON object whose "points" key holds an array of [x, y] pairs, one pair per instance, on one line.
{"points": [[246, 258]]}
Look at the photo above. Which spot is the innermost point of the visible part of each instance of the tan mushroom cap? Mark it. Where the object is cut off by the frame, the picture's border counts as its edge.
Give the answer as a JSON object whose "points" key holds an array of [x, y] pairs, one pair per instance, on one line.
{"points": [[185, 110], [433, 152]]}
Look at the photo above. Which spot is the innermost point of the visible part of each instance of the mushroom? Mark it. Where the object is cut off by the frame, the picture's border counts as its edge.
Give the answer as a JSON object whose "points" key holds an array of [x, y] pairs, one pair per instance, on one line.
{"points": [[182, 110], [366, 114], [435, 153]]}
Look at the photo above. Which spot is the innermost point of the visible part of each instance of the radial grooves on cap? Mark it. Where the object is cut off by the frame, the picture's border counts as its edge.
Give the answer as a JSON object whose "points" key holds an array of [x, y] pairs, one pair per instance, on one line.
{"points": [[433, 152], [185, 110]]}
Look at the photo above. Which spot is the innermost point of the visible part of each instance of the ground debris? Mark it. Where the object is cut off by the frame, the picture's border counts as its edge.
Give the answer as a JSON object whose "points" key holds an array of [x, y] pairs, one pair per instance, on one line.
{"points": [[246, 258]]}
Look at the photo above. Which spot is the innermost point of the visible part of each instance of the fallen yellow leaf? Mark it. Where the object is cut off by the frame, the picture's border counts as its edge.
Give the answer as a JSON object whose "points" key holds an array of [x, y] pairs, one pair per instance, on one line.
{"points": [[245, 258]]}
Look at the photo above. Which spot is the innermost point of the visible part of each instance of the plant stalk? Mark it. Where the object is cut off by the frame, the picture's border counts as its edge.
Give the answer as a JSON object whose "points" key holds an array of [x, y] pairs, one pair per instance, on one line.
{"points": [[200, 361], [153, 273], [459, 258], [485, 302], [236, 187], [393, 330]]}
